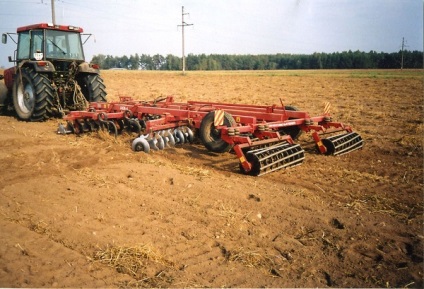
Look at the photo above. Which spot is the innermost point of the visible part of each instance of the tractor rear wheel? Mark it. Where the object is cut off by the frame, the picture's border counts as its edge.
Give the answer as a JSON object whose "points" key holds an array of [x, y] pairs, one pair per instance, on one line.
{"points": [[32, 95], [93, 88], [4, 97], [211, 137]]}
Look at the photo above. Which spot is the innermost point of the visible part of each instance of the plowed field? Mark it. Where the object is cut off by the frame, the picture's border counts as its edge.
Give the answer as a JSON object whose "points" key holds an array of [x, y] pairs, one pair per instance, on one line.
{"points": [[86, 211]]}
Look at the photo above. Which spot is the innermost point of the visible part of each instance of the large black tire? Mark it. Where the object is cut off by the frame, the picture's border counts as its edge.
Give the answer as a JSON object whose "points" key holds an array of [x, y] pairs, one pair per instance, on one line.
{"points": [[32, 95], [293, 131], [93, 88], [211, 137], [4, 97]]}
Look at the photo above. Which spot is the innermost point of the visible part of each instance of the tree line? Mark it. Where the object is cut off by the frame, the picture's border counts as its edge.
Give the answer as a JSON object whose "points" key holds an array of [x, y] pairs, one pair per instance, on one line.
{"points": [[336, 60]]}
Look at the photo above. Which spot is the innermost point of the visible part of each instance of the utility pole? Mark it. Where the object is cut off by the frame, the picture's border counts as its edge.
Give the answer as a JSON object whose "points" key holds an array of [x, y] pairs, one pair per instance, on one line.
{"points": [[403, 48], [183, 24], [403, 45], [53, 14]]}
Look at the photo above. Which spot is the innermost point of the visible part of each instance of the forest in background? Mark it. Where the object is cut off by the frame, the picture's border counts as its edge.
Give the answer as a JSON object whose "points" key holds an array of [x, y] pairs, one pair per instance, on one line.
{"points": [[336, 60]]}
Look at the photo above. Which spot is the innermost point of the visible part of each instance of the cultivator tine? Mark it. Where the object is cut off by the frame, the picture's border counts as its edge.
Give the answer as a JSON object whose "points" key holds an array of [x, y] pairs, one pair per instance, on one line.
{"points": [[110, 127], [94, 126], [134, 126], [342, 144], [84, 127], [275, 157]]}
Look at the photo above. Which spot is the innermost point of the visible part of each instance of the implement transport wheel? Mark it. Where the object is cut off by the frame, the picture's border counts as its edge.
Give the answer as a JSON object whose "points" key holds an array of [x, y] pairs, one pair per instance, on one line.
{"points": [[293, 131], [211, 137], [32, 95]]}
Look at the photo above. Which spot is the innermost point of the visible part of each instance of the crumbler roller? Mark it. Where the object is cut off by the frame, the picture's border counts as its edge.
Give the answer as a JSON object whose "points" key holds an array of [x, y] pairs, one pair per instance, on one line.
{"points": [[342, 143]]}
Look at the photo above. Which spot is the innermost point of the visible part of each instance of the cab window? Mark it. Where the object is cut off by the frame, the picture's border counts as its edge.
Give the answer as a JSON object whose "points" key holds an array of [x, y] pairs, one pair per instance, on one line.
{"points": [[23, 45], [63, 45], [37, 41]]}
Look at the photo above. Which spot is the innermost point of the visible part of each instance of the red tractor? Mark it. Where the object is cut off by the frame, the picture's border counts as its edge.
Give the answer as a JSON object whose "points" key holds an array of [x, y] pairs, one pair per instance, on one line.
{"points": [[50, 76]]}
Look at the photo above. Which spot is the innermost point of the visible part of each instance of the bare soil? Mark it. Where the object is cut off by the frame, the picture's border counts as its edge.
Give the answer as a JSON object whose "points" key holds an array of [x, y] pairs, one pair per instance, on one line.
{"points": [[86, 211]]}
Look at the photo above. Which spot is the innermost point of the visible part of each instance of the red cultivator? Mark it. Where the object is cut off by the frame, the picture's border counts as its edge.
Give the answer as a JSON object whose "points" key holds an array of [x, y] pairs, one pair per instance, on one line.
{"points": [[261, 136]]}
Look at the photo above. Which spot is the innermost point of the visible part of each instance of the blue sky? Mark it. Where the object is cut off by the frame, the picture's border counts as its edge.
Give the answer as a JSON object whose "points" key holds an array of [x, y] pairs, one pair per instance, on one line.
{"points": [[125, 27]]}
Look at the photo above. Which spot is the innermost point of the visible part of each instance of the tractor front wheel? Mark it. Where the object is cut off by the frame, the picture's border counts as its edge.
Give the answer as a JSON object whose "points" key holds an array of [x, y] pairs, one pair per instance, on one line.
{"points": [[32, 95]]}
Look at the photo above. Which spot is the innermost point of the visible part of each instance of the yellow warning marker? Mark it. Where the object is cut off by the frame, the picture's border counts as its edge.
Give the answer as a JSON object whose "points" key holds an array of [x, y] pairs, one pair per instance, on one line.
{"points": [[327, 107], [218, 117]]}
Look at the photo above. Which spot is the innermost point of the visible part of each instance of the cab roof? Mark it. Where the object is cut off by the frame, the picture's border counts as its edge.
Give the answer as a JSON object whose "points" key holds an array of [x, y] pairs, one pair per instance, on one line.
{"points": [[50, 26]]}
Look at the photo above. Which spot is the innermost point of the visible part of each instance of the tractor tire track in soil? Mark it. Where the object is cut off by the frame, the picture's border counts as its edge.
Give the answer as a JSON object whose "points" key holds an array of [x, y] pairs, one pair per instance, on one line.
{"points": [[86, 211]]}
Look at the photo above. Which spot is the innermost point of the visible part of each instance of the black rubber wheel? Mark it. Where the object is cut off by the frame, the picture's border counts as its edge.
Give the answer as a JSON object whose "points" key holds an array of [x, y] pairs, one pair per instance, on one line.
{"points": [[93, 88], [293, 131], [4, 97], [32, 95], [211, 137]]}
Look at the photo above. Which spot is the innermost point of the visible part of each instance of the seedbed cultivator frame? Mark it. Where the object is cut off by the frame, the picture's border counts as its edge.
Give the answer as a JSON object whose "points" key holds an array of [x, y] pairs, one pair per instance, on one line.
{"points": [[262, 137]]}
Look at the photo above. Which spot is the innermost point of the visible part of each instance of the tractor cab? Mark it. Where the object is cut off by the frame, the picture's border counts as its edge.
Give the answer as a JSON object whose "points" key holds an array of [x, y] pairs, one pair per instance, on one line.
{"points": [[50, 42], [57, 44]]}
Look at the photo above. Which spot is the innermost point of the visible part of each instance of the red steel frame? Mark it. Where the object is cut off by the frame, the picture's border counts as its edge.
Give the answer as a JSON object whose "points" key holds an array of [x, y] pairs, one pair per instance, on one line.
{"points": [[263, 122]]}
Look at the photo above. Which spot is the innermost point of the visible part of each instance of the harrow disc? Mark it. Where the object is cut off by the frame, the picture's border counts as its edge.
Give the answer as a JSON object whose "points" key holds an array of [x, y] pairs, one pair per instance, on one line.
{"points": [[179, 136], [343, 143], [188, 134], [140, 144], [275, 157], [168, 138], [160, 142], [153, 143]]}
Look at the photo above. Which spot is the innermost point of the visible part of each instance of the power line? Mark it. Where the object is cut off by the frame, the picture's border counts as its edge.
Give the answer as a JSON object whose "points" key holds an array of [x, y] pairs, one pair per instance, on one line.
{"points": [[183, 24]]}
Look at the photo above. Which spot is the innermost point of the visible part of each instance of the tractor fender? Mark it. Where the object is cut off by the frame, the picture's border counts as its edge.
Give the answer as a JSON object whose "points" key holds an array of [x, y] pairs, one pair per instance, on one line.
{"points": [[10, 73], [39, 66], [8, 77], [87, 68], [3, 94]]}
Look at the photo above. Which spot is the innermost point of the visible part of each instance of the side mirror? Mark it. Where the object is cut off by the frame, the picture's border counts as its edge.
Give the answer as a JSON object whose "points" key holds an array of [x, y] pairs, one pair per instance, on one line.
{"points": [[4, 38]]}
